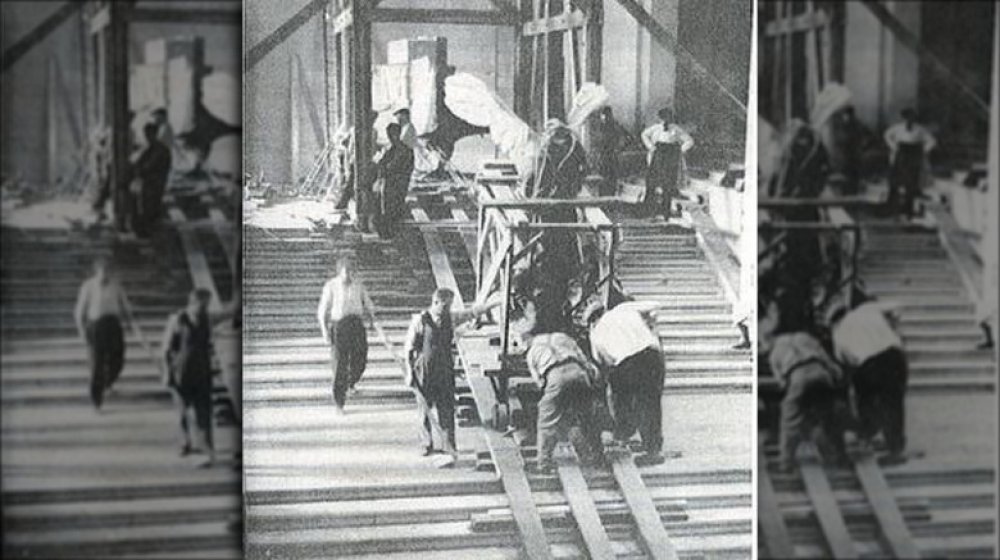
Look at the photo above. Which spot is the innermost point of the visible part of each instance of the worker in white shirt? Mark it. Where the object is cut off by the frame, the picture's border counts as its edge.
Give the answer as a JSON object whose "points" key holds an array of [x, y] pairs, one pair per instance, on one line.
{"points": [[343, 302], [622, 342], [666, 143], [101, 304], [909, 143], [865, 340]]}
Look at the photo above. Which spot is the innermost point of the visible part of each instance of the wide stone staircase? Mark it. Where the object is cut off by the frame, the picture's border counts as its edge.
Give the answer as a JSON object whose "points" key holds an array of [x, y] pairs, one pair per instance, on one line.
{"points": [[909, 265], [82, 483], [666, 264]]}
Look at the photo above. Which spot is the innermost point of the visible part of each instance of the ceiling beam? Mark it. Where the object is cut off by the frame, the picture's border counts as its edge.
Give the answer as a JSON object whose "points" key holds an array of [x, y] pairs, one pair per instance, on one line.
{"points": [[171, 15], [444, 16], [13, 53], [284, 31]]}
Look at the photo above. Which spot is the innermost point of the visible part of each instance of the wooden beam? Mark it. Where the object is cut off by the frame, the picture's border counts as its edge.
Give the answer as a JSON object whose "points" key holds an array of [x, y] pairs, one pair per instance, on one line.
{"points": [[685, 58], [803, 22], [885, 508], [561, 22], [37, 34], [838, 538], [640, 503], [283, 32], [769, 517], [444, 16], [581, 503], [912, 42], [117, 110], [595, 42], [360, 81], [200, 16]]}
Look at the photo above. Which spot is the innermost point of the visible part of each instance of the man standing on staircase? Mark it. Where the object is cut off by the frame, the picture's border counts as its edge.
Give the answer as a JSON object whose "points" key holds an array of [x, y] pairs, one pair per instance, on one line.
{"points": [[395, 167], [340, 311], [909, 143], [623, 343], [150, 169], [666, 143], [100, 307], [866, 341], [187, 357], [430, 368]]}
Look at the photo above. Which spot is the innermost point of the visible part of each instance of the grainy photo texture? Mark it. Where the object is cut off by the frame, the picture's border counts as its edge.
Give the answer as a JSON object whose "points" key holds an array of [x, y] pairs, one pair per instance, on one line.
{"points": [[120, 286], [878, 279], [499, 282]]}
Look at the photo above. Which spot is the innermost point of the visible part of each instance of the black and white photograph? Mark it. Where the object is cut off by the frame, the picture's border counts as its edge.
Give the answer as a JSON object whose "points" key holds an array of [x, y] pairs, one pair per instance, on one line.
{"points": [[121, 177], [877, 289], [498, 279]]}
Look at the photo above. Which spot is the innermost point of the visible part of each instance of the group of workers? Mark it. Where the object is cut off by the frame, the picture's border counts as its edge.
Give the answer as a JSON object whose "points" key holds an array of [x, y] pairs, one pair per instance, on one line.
{"points": [[625, 354], [844, 380], [185, 359]]}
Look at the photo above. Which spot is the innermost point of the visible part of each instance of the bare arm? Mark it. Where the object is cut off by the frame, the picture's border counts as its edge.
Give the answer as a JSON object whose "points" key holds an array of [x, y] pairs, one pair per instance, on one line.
{"points": [[930, 142], [82, 298], [325, 300], [165, 350], [647, 137], [126, 305], [369, 305], [687, 142]]}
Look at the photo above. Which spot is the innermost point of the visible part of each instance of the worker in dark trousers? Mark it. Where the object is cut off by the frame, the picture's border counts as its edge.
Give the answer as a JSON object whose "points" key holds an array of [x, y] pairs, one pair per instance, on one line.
{"points": [[570, 386], [394, 170], [623, 343], [865, 340], [815, 396], [909, 143], [431, 372], [610, 139], [101, 305], [666, 143], [342, 307], [150, 169], [187, 356]]}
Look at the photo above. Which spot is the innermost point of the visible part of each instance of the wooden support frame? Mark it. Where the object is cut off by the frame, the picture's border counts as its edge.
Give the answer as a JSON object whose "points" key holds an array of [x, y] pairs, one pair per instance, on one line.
{"points": [[32, 38], [448, 16]]}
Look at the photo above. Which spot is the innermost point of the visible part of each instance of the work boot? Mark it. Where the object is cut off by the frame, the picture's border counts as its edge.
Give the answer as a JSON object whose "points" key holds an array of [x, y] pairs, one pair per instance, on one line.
{"points": [[545, 468]]}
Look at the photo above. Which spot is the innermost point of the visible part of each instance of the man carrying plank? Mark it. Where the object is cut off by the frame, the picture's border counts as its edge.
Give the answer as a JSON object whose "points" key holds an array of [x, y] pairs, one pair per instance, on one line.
{"points": [[430, 368]]}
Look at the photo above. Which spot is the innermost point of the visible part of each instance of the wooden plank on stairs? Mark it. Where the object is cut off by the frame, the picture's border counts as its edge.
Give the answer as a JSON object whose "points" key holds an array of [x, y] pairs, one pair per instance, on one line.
{"points": [[825, 504], [639, 501], [885, 507], [201, 274], [769, 516], [581, 503]]}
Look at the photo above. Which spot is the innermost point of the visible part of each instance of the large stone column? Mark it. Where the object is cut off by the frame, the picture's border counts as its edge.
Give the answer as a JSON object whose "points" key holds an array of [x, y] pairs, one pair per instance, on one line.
{"points": [[988, 248]]}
